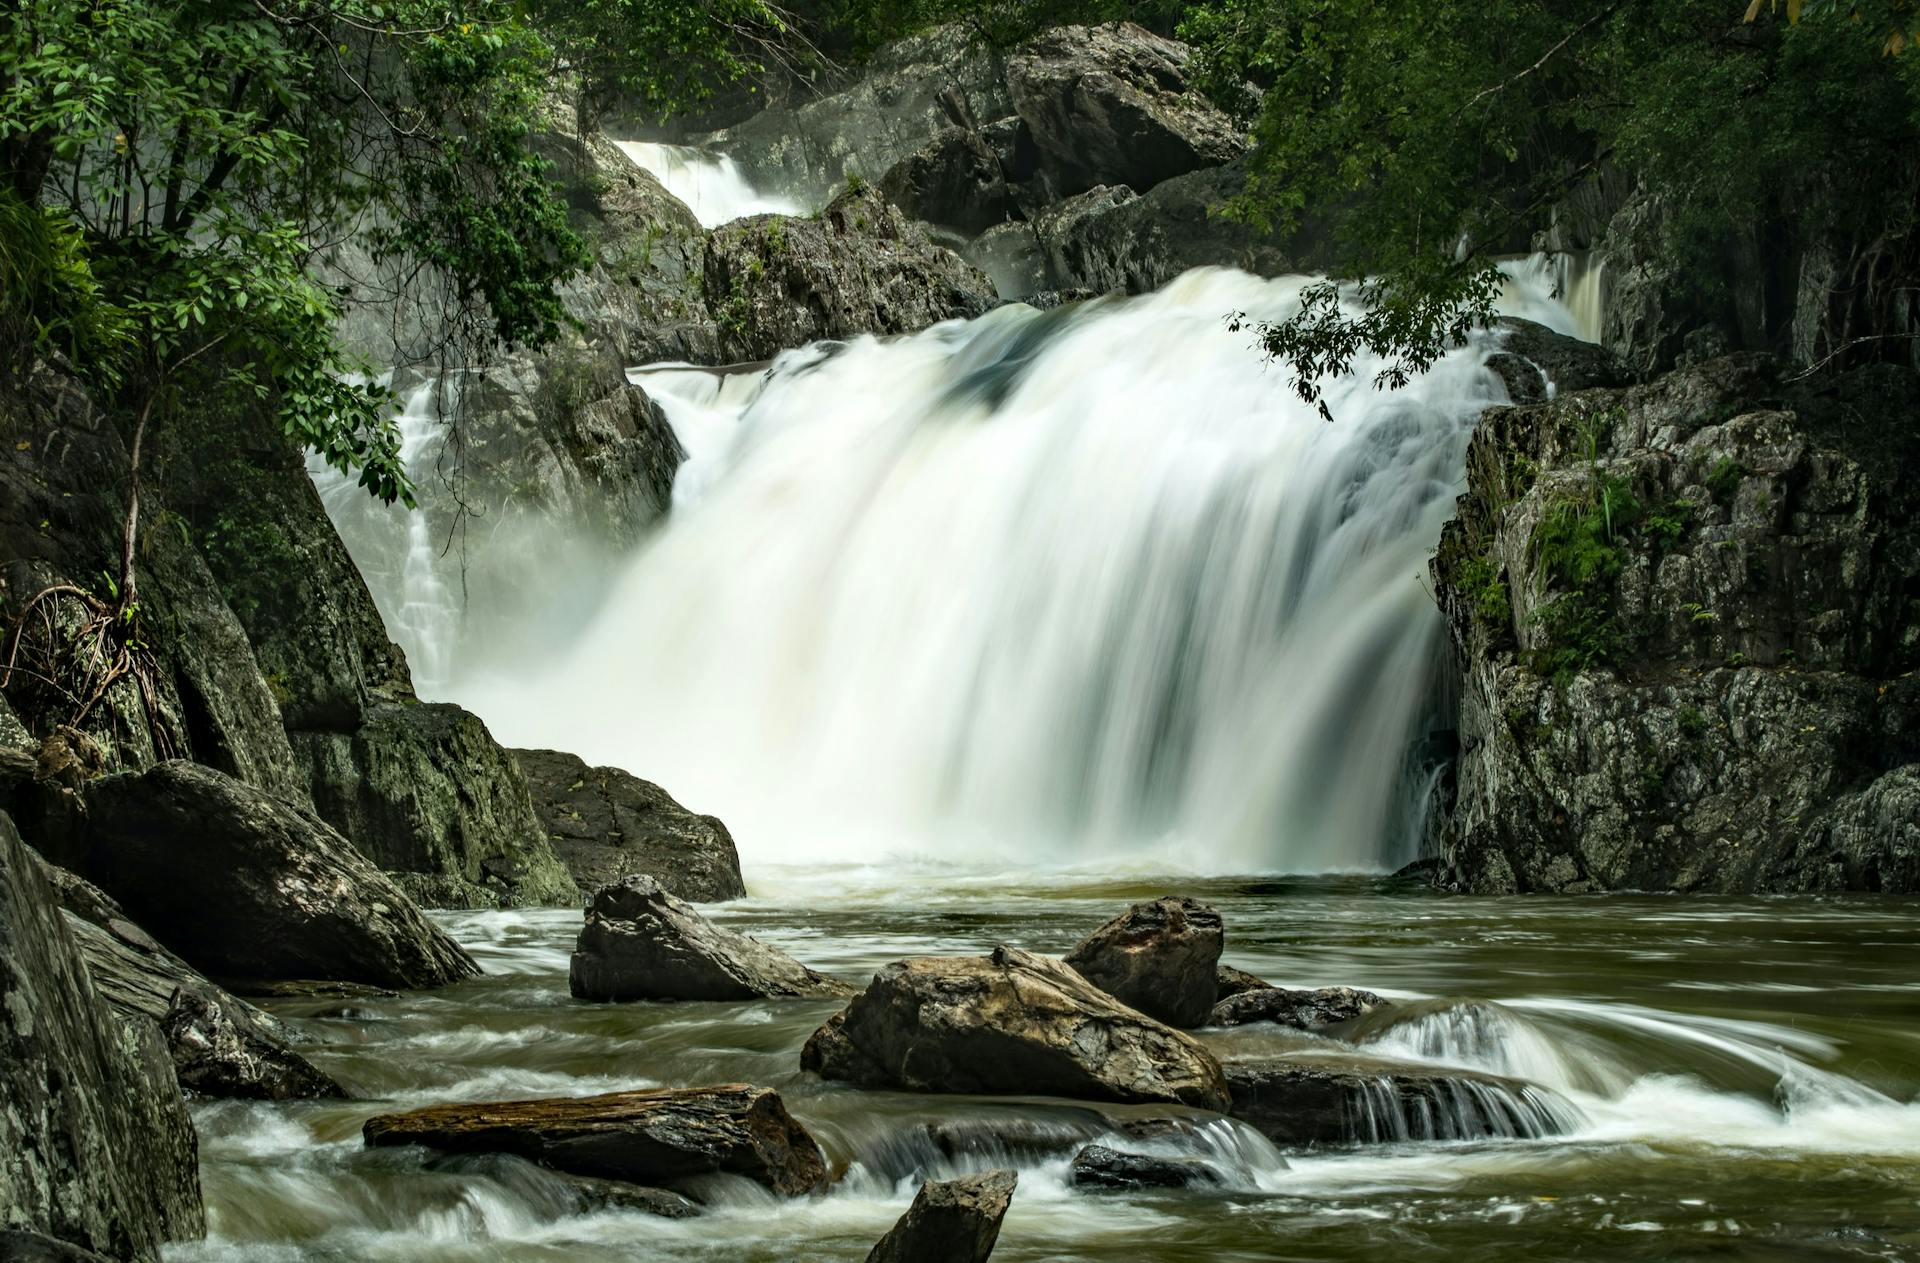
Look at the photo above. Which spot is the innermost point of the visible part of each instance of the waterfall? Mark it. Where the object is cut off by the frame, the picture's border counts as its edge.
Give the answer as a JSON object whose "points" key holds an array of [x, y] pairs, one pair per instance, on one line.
{"points": [[1081, 586], [1574, 285], [711, 185]]}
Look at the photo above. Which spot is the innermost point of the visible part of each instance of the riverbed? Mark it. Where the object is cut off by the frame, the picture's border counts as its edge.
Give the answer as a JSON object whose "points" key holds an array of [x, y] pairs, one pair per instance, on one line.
{"points": [[1744, 1073]]}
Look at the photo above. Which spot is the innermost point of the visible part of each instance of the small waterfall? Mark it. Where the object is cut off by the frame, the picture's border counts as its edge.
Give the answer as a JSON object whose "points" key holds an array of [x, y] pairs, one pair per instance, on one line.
{"points": [[1390, 1111], [1575, 282], [711, 185]]}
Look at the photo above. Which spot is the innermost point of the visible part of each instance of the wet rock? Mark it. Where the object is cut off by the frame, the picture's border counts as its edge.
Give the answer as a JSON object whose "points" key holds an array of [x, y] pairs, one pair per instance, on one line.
{"points": [[1101, 1167], [245, 885], [1535, 363], [954, 180], [640, 943], [1298, 1101], [1159, 957], [1732, 706], [1303, 1010], [1110, 105], [594, 1195], [606, 824], [32, 1247], [1230, 982], [950, 1221], [221, 1045], [647, 1138], [1012, 1022], [96, 1149], [425, 792], [860, 266]]}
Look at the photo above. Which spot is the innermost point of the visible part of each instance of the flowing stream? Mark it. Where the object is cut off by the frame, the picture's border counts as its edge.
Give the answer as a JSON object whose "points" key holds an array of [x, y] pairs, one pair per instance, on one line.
{"points": [[976, 636]]}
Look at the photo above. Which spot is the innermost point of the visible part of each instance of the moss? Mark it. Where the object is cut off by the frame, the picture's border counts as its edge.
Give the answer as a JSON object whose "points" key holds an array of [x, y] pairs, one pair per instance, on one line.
{"points": [[1479, 578], [1724, 479]]}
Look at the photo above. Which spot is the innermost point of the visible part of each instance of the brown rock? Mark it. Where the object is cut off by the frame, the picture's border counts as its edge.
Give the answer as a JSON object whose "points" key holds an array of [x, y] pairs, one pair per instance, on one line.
{"points": [[1296, 1101], [950, 1221], [1159, 956], [1303, 1010]]}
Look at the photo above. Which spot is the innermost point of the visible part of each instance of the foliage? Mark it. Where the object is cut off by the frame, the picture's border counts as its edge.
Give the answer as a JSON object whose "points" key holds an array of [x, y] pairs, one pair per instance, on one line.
{"points": [[657, 57]]}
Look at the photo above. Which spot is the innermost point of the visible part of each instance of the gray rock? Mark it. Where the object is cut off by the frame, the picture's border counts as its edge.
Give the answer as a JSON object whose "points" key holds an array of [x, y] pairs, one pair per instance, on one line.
{"points": [[860, 266], [244, 885], [425, 792], [1536, 363], [1101, 1167], [1303, 1010], [950, 1221], [32, 1247], [96, 1149], [1300, 1101], [1753, 719], [1158, 957], [640, 943], [606, 824], [1110, 105], [954, 180], [1012, 1022], [647, 1138]]}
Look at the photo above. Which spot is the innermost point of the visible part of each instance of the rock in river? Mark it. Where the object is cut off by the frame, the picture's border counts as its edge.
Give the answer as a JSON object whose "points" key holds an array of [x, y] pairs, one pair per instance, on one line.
{"points": [[1012, 1022], [1098, 1166], [950, 1221], [606, 824], [640, 943], [1297, 1101], [245, 885], [1159, 957], [96, 1150], [650, 1138], [1303, 1010]]}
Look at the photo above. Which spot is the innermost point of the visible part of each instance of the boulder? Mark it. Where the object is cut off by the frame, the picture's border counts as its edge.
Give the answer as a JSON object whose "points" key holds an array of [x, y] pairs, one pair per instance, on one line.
{"points": [[32, 1247], [1312, 1100], [1009, 1023], [96, 1149], [1230, 982], [606, 824], [426, 793], [860, 266], [954, 180], [640, 943], [1303, 1010], [1159, 957], [950, 1221], [1101, 1167], [1111, 105], [1535, 363], [244, 885], [649, 1138]]}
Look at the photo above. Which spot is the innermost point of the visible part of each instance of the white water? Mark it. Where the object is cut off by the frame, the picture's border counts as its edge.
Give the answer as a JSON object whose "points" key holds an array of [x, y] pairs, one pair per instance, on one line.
{"points": [[711, 185], [1061, 585]]}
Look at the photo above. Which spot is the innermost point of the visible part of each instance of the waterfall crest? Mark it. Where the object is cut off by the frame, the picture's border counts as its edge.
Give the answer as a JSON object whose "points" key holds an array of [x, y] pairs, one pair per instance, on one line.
{"points": [[711, 185]]}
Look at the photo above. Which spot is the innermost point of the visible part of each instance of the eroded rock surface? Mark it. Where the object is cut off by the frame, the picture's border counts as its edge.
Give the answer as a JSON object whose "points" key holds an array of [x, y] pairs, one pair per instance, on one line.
{"points": [[1159, 957], [950, 1221], [647, 1138], [640, 943], [1303, 1010], [1012, 1022]]}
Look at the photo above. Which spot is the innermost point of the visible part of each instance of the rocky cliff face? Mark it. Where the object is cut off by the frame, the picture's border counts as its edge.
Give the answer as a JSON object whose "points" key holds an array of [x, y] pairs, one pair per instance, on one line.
{"points": [[1688, 617]]}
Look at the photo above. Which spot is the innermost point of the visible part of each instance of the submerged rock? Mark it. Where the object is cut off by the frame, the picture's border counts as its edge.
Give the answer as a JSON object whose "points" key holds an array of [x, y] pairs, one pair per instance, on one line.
{"points": [[1159, 957], [606, 824], [860, 266], [648, 1138], [1298, 1101], [244, 885], [1012, 1022], [96, 1149], [1304, 1010], [640, 943], [1098, 1166], [950, 1221]]}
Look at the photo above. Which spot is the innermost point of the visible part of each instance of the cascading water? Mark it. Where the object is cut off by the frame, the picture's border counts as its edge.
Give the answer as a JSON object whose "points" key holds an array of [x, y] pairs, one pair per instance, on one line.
{"points": [[1075, 584], [711, 185]]}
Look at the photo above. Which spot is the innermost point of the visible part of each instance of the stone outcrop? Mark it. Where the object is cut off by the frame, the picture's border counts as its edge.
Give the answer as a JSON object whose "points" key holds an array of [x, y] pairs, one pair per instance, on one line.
{"points": [[1302, 1010], [1685, 616], [426, 793], [647, 1138], [773, 281], [1103, 1167], [1012, 1022], [96, 1149], [640, 943], [1301, 1101], [606, 824], [247, 886], [1535, 363], [221, 1045], [1158, 957], [950, 1221], [955, 181], [1110, 105]]}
